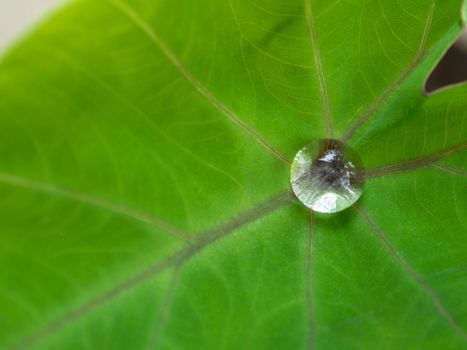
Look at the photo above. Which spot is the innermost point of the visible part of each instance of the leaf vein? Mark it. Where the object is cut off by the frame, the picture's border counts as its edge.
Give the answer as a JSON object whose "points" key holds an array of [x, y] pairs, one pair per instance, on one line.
{"points": [[414, 164], [319, 68], [177, 259], [85, 198], [379, 103], [421, 283], [227, 112], [309, 270]]}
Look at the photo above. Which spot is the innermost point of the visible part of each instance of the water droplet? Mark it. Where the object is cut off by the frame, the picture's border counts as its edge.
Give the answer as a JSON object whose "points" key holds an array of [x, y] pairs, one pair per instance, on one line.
{"points": [[326, 176]]}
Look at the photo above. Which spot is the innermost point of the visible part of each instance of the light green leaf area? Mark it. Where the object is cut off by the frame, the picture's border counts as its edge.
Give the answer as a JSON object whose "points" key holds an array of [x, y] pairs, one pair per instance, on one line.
{"points": [[145, 149]]}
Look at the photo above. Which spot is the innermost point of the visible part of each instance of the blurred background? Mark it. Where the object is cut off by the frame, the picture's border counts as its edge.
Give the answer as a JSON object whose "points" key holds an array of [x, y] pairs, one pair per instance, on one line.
{"points": [[17, 17]]}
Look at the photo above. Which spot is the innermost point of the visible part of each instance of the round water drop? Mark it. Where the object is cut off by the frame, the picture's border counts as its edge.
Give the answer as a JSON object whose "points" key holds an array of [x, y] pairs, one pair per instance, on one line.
{"points": [[326, 176]]}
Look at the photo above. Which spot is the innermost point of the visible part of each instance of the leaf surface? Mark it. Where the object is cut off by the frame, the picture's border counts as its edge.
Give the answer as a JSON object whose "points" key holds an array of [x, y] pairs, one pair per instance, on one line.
{"points": [[144, 178]]}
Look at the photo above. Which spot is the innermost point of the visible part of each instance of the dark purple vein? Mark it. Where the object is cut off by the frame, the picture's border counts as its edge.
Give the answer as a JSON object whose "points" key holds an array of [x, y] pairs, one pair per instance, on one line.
{"points": [[178, 259], [422, 284], [309, 266], [413, 164], [379, 103]]}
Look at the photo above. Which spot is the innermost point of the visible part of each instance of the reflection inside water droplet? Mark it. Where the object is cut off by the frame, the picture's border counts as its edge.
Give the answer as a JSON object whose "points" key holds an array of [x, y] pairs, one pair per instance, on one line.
{"points": [[326, 176]]}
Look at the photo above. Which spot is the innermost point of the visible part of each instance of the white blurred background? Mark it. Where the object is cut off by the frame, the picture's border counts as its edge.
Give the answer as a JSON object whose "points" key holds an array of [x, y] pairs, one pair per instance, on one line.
{"points": [[17, 16]]}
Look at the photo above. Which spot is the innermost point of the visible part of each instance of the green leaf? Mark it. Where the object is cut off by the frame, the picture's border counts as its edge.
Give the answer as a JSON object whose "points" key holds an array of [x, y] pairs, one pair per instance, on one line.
{"points": [[144, 178]]}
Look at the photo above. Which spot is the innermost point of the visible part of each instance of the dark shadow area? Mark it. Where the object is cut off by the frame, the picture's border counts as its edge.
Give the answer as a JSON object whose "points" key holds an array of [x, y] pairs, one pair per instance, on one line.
{"points": [[451, 70]]}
